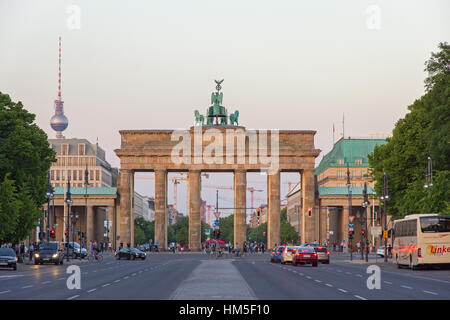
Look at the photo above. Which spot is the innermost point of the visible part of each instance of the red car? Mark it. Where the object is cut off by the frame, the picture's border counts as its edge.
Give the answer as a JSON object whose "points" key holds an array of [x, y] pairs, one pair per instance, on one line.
{"points": [[305, 255]]}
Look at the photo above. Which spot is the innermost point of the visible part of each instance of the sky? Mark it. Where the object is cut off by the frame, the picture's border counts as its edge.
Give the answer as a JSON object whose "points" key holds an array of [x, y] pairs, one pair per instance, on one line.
{"points": [[287, 64]]}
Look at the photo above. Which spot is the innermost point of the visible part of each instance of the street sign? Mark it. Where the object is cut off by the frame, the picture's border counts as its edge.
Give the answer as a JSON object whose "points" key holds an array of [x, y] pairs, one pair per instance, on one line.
{"points": [[350, 218], [217, 215], [375, 231], [217, 222], [207, 231], [385, 234], [351, 225]]}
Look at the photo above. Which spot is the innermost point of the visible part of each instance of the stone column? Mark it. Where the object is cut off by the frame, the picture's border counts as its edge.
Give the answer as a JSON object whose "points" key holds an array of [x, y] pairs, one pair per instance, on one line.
{"points": [[195, 237], [240, 203], [161, 208], [112, 234], [90, 225], [344, 227], [273, 199], [308, 222], [125, 188]]}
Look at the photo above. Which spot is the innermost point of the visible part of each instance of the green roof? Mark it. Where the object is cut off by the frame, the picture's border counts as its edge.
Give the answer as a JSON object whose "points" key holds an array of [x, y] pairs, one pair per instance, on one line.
{"points": [[104, 191], [349, 150], [340, 191]]}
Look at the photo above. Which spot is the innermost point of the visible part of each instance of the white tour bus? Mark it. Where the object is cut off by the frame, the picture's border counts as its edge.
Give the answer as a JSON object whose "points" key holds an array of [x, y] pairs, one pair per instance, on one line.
{"points": [[421, 239]]}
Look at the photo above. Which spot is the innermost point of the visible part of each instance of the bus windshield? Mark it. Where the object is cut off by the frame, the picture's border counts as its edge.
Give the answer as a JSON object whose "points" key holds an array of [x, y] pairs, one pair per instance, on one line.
{"points": [[435, 224]]}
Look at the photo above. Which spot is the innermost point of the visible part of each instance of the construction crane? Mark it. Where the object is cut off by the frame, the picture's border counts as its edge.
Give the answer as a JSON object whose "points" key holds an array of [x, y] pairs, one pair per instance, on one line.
{"points": [[251, 189]]}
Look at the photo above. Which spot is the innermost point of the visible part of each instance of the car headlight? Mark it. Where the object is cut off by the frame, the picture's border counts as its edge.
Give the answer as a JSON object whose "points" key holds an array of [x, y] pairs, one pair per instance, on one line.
{"points": [[36, 255], [55, 255]]}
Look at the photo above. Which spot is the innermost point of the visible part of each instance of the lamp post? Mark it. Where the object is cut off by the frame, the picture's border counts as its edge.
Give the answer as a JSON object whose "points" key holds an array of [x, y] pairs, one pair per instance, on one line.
{"points": [[365, 204], [429, 176], [49, 195], [69, 202], [86, 184], [385, 197], [349, 210]]}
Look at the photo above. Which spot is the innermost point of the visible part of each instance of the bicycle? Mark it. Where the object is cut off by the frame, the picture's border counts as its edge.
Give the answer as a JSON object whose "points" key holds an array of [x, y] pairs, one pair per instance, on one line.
{"points": [[95, 256]]}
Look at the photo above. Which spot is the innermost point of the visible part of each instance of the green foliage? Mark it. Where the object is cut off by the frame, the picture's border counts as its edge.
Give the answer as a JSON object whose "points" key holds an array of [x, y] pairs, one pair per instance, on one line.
{"points": [[25, 158], [423, 133], [227, 228], [287, 232], [139, 235], [147, 228]]}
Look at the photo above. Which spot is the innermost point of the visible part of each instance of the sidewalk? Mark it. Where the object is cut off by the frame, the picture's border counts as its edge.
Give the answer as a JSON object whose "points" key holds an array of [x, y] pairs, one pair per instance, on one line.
{"points": [[356, 258]]}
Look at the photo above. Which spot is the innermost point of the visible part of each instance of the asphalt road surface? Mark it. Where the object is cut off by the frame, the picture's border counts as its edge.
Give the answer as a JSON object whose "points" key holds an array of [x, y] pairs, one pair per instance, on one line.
{"points": [[195, 276]]}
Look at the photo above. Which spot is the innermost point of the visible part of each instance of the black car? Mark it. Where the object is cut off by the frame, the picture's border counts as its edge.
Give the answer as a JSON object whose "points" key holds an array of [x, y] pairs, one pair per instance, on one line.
{"points": [[8, 258], [130, 254], [49, 252]]}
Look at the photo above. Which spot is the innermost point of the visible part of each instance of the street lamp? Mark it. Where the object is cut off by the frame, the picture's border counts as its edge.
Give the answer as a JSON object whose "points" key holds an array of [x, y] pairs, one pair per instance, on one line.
{"points": [[385, 197], [365, 204], [429, 175], [49, 195], [86, 184], [69, 202], [349, 210]]}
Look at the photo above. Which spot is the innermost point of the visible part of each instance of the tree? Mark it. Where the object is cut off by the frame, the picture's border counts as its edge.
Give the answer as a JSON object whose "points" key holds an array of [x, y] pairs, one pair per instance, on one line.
{"points": [[139, 235], [25, 158], [424, 132]]}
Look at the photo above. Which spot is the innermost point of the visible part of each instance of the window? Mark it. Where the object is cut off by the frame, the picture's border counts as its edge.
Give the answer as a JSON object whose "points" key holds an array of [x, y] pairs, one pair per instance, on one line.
{"points": [[63, 175], [52, 174], [353, 174], [57, 175], [75, 175], [91, 174], [97, 175], [81, 149], [64, 149], [340, 162], [358, 162], [69, 174], [340, 174], [435, 224], [362, 174]]}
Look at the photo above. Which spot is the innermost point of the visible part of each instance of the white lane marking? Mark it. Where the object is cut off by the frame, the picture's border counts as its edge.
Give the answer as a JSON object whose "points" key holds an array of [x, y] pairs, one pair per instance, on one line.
{"points": [[133, 274], [359, 297], [73, 297], [342, 290], [329, 285], [359, 275], [2, 292], [430, 292], [45, 282], [117, 280], [92, 290], [26, 287], [126, 277], [301, 274], [406, 287], [308, 277], [348, 273], [387, 282], [61, 279], [105, 285], [318, 281]]}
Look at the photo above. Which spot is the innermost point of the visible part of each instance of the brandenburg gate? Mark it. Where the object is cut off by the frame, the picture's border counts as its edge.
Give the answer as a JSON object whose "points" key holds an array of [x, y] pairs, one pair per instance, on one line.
{"points": [[217, 146]]}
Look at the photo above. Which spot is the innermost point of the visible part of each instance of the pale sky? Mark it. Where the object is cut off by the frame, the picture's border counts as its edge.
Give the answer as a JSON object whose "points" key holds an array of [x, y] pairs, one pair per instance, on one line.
{"points": [[287, 64]]}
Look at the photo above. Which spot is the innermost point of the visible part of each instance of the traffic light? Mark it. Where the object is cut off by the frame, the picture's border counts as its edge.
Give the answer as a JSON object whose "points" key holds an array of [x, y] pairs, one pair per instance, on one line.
{"points": [[309, 212], [217, 234], [258, 211], [65, 232], [363, 232], [52, 234], [350, 234]]}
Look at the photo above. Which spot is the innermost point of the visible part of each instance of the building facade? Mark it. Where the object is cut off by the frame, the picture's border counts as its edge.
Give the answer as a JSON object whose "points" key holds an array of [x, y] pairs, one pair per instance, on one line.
{"points": [[334, 202]]}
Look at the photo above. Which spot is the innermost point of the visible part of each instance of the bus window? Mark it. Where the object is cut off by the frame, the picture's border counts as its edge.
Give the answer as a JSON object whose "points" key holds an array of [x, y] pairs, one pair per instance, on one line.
{"points": [[435, 224]]}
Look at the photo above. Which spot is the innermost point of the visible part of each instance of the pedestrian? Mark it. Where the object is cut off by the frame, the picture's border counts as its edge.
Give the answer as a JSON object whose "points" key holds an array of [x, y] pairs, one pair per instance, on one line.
{"points": [[263, 248], [31, 250]]}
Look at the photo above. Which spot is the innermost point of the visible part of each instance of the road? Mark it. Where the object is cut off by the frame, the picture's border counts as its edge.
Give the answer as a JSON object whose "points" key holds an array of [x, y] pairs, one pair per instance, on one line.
{"points": [[194, 276]]}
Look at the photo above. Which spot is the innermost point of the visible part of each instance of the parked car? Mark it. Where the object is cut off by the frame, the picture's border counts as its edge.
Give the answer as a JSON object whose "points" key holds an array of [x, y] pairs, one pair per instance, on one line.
{"points": [[323, 255], [130, 254], [8, 258], [276, 254], [380, 251], [49, 252], [286, 255], [75, 249], [305, 255]]}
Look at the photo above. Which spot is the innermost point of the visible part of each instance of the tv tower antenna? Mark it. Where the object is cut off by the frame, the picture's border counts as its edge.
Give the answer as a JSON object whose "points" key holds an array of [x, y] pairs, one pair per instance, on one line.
{"points": [[59, 121]]}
